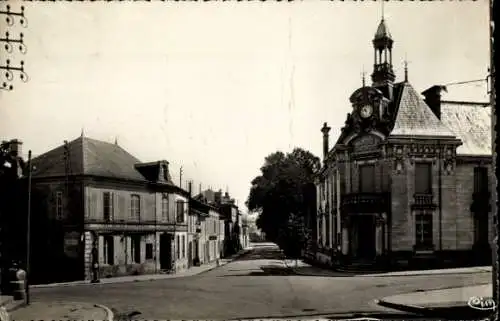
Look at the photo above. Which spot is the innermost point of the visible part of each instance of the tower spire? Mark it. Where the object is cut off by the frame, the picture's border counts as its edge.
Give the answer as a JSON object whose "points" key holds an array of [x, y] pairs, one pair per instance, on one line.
{"points": [[406, 68], [382, 4]]}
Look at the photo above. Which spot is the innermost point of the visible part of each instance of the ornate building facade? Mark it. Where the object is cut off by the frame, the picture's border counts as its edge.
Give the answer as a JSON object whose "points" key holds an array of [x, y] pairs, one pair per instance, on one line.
{"points": [[408, 179]]}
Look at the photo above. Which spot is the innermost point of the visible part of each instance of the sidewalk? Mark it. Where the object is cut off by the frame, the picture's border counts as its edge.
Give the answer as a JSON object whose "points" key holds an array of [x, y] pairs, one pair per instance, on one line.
{"points": [[62, 311], [445, 302], [306, 269], [194, 270]]}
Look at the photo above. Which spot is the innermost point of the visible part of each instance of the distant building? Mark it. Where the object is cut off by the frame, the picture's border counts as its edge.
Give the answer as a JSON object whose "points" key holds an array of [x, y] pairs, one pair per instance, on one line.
{"points": [[409, 179], [92, 193], [232, 219]]}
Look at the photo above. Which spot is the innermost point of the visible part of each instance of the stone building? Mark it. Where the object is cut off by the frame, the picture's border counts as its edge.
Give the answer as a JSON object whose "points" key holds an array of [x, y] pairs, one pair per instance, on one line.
{"points": [[92, 193], [408, 179]]}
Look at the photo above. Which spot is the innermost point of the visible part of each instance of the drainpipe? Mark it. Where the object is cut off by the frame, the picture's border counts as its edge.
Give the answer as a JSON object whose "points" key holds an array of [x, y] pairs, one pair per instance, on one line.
{"points": [[440, 199]]}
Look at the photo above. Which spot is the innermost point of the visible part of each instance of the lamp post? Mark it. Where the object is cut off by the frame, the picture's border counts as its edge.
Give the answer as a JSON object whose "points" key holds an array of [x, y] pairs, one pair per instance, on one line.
{"points": [[28, 232]]}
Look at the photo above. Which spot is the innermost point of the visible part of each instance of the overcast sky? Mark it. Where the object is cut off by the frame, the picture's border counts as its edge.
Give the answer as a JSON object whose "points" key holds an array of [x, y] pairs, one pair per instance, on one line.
{"points": [[217, 86]]}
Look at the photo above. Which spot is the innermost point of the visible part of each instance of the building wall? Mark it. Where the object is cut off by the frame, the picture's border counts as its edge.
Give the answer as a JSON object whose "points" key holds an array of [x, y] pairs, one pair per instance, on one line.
{"points": [[150, 215]]}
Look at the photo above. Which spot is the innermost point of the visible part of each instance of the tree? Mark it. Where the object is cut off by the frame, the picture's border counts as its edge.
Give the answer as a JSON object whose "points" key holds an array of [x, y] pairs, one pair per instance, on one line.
{"points": [[278, 196]]}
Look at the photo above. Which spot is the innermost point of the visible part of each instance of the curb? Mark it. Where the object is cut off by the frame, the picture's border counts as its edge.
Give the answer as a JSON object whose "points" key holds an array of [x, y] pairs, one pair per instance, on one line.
{"points": [[110, 313], [458, 310]]}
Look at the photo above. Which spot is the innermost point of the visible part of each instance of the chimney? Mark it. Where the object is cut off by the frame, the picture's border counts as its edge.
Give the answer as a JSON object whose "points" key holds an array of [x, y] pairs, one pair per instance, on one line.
{"points": [[433, 99], [325, 130], [15, 148], [190, 188]]}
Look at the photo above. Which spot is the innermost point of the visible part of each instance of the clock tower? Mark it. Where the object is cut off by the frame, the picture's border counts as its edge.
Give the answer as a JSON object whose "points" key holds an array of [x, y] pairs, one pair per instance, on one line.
{"points": [[383, 74]]}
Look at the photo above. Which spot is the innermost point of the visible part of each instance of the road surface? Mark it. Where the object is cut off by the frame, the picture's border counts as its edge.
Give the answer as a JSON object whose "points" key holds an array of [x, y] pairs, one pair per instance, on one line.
{"points": [[246, 288]]}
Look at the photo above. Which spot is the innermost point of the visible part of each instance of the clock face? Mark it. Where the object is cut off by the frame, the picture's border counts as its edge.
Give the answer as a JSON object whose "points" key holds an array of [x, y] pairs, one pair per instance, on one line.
{"points": [[366, 111]]}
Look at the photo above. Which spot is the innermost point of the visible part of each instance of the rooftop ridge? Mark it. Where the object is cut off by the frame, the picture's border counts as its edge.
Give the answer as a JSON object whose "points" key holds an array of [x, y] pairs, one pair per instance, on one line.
{"points": [[470, 103]]}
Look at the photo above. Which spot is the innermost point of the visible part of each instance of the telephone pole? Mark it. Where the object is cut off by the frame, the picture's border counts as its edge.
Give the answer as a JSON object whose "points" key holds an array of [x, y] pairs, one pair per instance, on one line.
{"points": [[180, 177]]}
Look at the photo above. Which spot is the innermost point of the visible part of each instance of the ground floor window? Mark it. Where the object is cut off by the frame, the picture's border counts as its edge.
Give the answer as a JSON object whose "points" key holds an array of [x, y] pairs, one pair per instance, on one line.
{"points": [[423, 229], [149, 251], [108, 249], [177, 246]]}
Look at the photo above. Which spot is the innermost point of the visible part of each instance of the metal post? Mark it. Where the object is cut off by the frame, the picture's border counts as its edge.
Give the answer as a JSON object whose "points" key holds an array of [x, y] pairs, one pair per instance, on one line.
{"points": [[28, 233]]}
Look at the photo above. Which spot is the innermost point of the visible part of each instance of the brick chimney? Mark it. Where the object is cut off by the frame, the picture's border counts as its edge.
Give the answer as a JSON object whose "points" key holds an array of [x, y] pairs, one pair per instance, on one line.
{"points": [[190, 189], [325, 130], [433, 99]]}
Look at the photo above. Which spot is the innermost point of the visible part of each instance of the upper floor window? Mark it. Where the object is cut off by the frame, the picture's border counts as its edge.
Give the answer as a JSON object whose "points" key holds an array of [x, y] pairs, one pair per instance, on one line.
{"points": [[423, 178], [367, 178], [59, 204], [180, 211], [135, 207], [480, 180], [107, 206], [164, 207]]}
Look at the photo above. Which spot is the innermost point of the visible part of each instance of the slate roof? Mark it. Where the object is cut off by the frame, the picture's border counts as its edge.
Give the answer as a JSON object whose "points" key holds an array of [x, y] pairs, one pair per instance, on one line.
{"points": [[88, 157], [471, 122], [415, 118]]}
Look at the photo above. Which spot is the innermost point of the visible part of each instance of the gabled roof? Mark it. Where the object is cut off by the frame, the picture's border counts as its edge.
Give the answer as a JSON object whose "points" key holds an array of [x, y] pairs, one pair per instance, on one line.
{"points": [[471, 122], [415, 118], [88, 157]]}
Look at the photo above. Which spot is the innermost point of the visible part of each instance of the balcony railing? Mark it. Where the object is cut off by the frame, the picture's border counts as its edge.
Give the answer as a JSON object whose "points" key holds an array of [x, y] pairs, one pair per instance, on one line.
{"points": [[423, 201], [365, 202]]}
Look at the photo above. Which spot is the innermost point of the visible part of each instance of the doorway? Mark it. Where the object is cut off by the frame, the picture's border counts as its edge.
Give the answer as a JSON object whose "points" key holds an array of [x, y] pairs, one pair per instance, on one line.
{"points": [[165, 252], [363, 237]]}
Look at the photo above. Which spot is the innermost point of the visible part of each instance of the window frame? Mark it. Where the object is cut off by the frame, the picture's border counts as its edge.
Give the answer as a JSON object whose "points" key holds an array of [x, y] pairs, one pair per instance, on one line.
{"points": [[179, 217], [372, 187], [135, 206], [423, 221], [136, 249], [109, 207], [428, 188], [165, 203], [59, 205]]}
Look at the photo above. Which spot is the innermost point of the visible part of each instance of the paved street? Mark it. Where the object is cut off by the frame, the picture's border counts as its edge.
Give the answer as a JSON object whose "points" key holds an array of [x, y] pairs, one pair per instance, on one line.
{"points": [[251, 287]]}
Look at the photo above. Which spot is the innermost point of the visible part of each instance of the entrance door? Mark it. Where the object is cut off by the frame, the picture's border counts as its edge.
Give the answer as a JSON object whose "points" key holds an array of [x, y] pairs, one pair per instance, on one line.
{"points": [[165, 252], [365, 237], [190, 253]]}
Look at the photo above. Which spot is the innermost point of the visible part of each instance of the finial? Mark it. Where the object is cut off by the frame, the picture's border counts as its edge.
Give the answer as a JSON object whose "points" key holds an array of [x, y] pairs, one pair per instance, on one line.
{"points": [[382, 2], [406, 68], [116, 140], [363, 73], [82, 133]]}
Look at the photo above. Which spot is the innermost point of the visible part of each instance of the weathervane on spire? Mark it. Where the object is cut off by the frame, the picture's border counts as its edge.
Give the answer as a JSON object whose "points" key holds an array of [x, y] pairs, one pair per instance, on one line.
{"points": [[363, 74], [382, 3]]}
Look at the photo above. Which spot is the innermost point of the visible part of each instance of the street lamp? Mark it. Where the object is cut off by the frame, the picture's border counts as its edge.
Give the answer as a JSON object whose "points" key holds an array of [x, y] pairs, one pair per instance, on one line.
{"points": [[28, 231], [7, 69]]}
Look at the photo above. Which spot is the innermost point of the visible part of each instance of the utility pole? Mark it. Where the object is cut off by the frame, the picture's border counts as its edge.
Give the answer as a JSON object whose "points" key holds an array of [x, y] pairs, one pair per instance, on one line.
{"points": [[28, 233], [7, 70], [180, 177]]}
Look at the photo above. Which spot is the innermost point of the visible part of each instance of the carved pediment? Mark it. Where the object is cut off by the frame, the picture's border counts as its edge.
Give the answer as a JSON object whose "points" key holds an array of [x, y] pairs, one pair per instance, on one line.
{"points": [[365, 143]]}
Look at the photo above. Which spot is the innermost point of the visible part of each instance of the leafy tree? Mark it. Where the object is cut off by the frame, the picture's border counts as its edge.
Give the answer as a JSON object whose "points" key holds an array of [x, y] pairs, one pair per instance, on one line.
{"points": [[278, 196]]}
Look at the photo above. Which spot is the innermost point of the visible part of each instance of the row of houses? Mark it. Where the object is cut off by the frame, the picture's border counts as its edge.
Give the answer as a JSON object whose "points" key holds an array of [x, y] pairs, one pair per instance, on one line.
{"points": [[409, 179], [97, 212]]}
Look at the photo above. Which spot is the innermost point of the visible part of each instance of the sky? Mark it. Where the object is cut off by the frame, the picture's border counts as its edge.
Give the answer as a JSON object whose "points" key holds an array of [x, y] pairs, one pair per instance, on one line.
{"points": [[215, 87]]}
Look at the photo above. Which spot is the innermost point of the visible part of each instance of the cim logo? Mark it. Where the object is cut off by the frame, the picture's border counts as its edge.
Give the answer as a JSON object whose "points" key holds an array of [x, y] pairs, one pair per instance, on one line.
{"points": [[480, 303]]}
